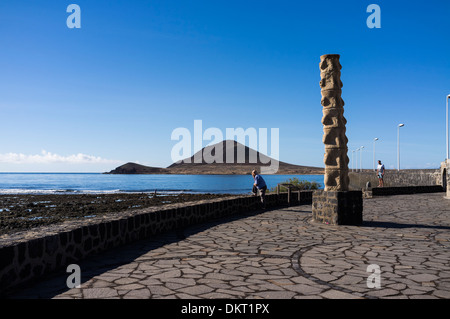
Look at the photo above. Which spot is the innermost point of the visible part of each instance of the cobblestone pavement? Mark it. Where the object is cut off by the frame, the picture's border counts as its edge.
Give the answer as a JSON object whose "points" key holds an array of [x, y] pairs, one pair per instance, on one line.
{"points": [[280, 254]]}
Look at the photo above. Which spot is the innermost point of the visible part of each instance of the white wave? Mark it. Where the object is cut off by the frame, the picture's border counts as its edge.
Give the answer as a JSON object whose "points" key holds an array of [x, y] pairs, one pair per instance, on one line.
{"points": [[27, 191], [113, 191], [55, 191]]}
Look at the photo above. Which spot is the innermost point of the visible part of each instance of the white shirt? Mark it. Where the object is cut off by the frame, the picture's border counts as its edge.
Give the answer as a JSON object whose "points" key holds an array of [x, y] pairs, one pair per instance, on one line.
{"points": [[380, 168]]}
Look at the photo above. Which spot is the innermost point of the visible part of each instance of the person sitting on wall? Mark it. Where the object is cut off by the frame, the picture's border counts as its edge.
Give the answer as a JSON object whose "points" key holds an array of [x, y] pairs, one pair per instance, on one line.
{"points": [[380, 173], [260, 185]]}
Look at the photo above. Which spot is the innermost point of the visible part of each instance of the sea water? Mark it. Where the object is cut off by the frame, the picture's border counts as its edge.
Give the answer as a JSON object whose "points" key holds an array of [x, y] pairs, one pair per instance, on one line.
{"points": [[96, 183]]}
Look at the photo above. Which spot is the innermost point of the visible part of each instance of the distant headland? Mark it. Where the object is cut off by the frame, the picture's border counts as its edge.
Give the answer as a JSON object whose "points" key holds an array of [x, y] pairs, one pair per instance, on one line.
{"points": [[191, 166]]}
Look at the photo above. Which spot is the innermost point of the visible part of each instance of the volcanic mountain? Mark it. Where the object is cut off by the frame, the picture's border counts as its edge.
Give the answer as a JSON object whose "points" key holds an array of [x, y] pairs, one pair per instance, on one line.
{"points": [[133, 168], [226, 158]]}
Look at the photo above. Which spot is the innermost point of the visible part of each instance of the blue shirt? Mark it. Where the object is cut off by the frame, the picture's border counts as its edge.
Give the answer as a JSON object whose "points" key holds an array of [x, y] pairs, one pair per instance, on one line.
{"points": [[260, 183]]}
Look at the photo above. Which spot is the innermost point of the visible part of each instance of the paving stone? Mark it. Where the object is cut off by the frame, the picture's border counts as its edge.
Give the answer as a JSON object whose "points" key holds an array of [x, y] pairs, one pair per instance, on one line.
{"points": [[196, 290], [422, 297], [270, 286], [304, 289], [275, 294], [276, 261], [203, 269], [180, 281], [130, 287], [325, 277], [232, 293], [108, 277], [125, 281], [422, 277], [308, 297], [187, 296], [347, 279], [282, 254], [336, 294], [138, 294], [99, 293], [101, 284], [243, 289], [445, 294], [383, 292], [223, 277], [397, 286], [160, 290], [168, 274], [409, 292], [217, 295], [281, 281], [250, 270]]}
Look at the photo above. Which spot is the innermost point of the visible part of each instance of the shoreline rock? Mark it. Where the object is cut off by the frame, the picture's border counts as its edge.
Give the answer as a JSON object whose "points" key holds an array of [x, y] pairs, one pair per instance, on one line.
{"points": [[27, 212]]}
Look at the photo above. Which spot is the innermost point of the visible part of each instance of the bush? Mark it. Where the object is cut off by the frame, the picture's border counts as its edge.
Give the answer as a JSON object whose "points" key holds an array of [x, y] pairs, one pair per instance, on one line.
{"points": [[300, 184]]}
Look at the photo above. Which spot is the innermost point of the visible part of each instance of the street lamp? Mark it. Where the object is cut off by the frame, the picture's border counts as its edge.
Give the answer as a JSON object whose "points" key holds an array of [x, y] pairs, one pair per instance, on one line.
{"points": [[374, 140], [353, 163], [358, 149], [360, 158], [398, 146], [448, 97]]}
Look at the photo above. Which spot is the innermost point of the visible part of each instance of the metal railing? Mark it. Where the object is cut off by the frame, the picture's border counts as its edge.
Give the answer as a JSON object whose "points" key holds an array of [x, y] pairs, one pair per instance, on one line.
{"points": [[290, 188]]}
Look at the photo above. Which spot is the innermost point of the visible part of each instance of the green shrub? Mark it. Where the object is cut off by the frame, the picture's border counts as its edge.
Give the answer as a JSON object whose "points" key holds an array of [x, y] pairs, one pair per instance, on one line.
{"points": [[300, 184]]}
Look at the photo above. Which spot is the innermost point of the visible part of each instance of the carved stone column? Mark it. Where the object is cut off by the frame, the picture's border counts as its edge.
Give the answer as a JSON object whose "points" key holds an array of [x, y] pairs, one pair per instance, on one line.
{"points": [[335, 205], [334, 138]]}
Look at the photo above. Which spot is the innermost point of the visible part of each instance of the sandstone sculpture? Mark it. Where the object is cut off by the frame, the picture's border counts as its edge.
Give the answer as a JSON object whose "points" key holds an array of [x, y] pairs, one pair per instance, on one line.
{"points": [[333, 120]]}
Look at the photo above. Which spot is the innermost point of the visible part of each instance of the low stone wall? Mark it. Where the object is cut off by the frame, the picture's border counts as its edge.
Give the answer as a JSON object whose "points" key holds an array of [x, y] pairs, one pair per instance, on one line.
{"points": [[393, 178], [26, 256], [386, 191]]}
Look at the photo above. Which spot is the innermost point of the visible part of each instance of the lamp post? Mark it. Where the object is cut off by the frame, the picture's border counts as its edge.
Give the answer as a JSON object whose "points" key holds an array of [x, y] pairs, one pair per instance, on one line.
{"points": [[360, 158], [398, 146], [446, 100], [374, 140], [353, 163], [357, 150]]}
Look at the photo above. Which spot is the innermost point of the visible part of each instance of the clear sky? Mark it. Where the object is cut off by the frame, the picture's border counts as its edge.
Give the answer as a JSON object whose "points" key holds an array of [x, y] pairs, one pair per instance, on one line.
{"points": [[92, 98]]}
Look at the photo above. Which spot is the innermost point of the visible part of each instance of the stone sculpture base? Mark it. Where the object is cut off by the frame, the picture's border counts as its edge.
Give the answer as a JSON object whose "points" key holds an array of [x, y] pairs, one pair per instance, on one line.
{"points": [[337, 207]]}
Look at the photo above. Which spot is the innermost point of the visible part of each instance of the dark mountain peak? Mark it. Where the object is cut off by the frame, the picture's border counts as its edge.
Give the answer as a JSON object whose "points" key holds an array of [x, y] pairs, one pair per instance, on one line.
{"points": [[225, 157], [226, 152], [133, 168]]}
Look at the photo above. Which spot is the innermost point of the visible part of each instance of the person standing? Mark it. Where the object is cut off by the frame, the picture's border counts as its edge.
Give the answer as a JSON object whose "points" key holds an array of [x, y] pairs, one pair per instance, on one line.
{"points": [[260, 185], [380, 173]]}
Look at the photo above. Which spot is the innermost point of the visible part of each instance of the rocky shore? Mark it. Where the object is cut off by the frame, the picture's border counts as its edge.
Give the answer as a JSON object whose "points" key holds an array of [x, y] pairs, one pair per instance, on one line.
{"points": [[24, 212]]}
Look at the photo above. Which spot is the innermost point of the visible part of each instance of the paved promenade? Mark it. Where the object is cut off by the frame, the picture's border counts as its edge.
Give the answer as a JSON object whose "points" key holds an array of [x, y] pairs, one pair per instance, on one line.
{"points": [[280, 254]]}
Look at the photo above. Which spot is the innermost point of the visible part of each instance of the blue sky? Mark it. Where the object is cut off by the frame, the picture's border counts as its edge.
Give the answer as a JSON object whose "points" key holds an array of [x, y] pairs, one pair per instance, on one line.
{"points": [[113, 91]]}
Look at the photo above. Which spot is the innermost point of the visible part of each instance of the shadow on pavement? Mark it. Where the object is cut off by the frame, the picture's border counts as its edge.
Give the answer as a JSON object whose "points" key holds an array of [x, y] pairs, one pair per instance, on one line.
{"points": [[55, 284], [400, 225]]}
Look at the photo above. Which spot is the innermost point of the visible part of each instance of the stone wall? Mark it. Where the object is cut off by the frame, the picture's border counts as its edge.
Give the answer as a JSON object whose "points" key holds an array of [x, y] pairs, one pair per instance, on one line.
{"points": [[26, 256], [393, 178], [404, 190]]}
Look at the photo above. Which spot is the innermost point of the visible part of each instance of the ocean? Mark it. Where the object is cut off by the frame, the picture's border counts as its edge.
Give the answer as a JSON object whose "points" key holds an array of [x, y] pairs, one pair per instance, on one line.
{"points": [[97, 183]]}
